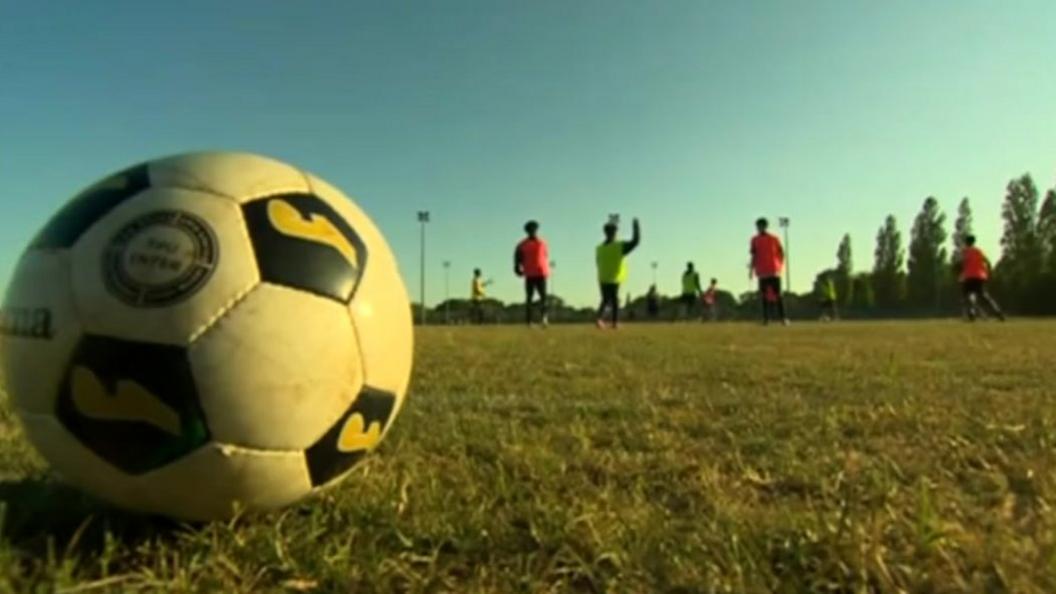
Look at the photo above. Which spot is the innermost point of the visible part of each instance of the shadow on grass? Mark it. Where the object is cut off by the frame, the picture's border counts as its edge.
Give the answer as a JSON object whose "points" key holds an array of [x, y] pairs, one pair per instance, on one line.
{"points": [[40, 516]]}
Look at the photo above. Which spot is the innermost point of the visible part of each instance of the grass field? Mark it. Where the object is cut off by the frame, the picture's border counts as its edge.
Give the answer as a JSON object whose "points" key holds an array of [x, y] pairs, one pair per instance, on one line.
{"points": [[881, 457]]}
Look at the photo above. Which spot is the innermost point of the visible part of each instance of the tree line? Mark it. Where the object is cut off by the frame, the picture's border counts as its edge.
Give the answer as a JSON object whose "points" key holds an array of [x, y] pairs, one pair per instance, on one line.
{"points": [[921, 279], [915, 279]]}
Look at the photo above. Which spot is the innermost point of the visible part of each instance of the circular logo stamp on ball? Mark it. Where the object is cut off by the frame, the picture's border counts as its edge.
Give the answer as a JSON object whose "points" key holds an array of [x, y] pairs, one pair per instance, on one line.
{"points": [[160, 258]]}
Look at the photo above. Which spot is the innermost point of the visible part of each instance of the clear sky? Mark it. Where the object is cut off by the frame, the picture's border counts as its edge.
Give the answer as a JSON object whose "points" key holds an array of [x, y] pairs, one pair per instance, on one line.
{"points": [[696, 116]]}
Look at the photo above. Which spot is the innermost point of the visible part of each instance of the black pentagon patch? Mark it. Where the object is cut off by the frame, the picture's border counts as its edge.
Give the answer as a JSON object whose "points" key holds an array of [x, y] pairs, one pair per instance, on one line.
{"points": [[134, 404], [335, 453], [302, 243], [74, 218]]}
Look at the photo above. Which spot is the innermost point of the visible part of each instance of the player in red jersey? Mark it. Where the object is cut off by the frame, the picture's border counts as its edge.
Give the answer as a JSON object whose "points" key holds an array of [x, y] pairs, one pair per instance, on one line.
{"points": [[768, 261], [531, 260], [710, 299], [975, 272]]}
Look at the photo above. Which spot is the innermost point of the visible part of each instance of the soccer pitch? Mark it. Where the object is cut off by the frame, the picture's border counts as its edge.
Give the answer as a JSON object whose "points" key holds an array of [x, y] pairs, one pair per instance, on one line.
{"points": [[853, 457]]}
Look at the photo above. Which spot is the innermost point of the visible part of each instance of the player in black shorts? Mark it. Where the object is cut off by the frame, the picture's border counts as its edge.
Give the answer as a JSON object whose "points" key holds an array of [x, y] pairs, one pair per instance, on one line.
{"points": [[975, 272]]}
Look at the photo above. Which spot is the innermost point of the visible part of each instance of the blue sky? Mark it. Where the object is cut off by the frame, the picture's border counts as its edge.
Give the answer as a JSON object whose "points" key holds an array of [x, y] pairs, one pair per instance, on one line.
{"points": [[695, 116]]}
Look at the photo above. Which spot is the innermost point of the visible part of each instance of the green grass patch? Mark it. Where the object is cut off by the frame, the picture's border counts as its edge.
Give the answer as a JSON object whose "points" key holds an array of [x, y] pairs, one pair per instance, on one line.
{"points": [[879, 457]]}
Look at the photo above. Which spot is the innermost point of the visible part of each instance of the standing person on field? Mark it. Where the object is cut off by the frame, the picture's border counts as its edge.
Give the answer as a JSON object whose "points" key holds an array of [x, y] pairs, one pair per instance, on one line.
{"points": [[827, 288], [690, 290], [531, 260], [710, 298], [975, 273], [477, 295], [612, 270], [652, 302], [768, 261]]}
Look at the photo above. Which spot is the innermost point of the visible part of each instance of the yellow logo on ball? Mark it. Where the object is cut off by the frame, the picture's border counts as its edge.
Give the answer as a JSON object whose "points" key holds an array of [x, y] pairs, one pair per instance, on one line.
{"points": [[130, 402], [355, 435], [315, 228]]}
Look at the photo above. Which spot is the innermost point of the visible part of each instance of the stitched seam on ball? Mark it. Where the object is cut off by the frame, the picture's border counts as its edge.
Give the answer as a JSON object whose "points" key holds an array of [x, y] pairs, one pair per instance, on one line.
{"points": [[222, 445], [75, 304], [197, 184], [359, 351], [198, 190], [255, 195], [223, 311], [348, 308], [307, 182], [361, 375], [271, 193], [241, 295]]}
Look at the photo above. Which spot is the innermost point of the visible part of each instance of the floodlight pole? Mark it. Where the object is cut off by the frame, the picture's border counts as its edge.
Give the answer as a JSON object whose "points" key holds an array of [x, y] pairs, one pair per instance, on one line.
{"points": [[784, 222], [447, 292], [654, 264], [423, 218]]}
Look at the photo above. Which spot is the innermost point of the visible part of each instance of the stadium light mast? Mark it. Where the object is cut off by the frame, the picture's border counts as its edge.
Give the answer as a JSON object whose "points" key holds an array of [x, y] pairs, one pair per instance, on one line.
{"points": [[653, 265], [783, 223], [447, 292], [423, 218]]}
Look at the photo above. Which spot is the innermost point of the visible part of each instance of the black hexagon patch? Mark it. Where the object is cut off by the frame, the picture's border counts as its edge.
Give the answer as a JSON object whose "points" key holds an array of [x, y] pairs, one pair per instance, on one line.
{"points": [[134, 404], [80, 213], [351, 437], [303, 243]]}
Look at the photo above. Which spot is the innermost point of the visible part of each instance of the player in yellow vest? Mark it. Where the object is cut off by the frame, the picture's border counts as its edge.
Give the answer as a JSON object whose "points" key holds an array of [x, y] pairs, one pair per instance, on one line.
{"points": [[477, 295], [827, 290], [691, 291], [610, 256]]}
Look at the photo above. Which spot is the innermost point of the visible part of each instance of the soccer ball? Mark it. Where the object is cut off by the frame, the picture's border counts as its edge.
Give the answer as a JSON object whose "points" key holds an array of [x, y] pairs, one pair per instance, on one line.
{"points": [[205, 333]]}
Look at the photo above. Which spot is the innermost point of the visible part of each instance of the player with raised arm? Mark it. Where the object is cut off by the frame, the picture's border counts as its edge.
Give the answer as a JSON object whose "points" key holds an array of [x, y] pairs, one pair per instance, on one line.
{"points": [[610, 256], [531, 260], [768, 261]]}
